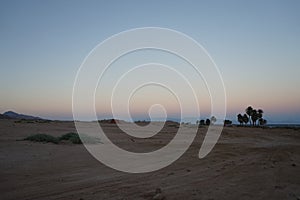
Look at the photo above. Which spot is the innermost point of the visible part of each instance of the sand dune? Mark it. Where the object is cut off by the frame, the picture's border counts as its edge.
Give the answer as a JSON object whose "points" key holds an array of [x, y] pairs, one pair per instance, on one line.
{"points": [[247, 163]]}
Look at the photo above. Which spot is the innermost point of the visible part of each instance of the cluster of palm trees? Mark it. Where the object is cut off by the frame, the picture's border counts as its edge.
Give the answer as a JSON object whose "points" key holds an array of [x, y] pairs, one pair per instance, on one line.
{"points": [[252, 116]]}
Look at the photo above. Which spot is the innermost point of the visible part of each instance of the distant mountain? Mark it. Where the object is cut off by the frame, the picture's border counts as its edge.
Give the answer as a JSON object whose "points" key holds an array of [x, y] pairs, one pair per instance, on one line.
{"points": [[4, 117], [14, 115]]}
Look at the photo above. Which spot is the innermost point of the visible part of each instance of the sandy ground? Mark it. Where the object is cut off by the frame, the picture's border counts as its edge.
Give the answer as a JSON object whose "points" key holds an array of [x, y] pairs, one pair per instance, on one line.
{"points": [[247, 163]]}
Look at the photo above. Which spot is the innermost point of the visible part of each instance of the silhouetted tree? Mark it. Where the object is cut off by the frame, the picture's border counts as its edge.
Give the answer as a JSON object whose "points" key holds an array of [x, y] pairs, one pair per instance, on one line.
{"points": [[262, 122], [260, 117], [213, 120], [254, 117], [260, 113], [245, 119], [227, 122], [240, 119], [207, 122], [202, 122], [249, 111]]}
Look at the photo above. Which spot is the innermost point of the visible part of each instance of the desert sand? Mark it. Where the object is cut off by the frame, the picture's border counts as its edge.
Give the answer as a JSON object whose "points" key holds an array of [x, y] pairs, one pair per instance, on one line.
{"points": [[246, 163]]}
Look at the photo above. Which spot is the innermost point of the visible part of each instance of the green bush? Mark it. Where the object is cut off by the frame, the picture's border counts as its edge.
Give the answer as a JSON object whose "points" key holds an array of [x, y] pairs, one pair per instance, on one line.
{"points": [[67, 136], [73, 137], [42, 138]]}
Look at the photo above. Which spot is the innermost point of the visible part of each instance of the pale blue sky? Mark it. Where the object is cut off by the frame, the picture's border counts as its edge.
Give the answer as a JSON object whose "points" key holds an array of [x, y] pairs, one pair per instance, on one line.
{"points": [[255, 44]]}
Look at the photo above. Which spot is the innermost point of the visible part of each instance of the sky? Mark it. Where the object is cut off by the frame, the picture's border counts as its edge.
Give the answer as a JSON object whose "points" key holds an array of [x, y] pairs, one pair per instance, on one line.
{"points": [[255, 44]]}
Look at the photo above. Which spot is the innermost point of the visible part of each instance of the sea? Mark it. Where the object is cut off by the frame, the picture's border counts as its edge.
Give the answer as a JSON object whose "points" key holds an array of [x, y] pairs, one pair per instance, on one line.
{"points": [[283, 125]]}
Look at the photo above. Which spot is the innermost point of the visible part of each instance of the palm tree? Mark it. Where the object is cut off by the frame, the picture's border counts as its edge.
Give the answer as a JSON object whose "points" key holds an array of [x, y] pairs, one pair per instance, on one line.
{"points": [[240, 119], [254, 117], [207, 122], [260, 113], [245, 119], [249, 111], [260, 116], [202, 122], [262, 122], [213, 119]]}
